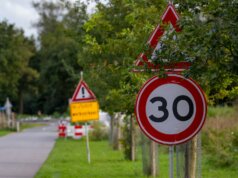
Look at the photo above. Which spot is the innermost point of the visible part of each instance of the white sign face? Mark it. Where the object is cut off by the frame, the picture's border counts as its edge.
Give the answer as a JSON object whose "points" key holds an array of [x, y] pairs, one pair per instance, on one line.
{"points": [[83, 93], [155, 107], [170, 110]]}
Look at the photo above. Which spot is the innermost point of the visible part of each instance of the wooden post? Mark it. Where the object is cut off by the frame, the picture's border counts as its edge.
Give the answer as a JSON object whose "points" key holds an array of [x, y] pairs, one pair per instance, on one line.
{"points": [[145, 152], [116, 131], [180, 161], [133, 139], [115, 144], [193, 162], [191, 158], [149, 156], [18, 126], [153, 158], [111, 131]]}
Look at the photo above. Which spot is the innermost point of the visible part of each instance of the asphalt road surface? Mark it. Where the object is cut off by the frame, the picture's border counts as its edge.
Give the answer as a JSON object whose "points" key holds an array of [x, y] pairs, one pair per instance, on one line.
{"points": [[22, 154]]}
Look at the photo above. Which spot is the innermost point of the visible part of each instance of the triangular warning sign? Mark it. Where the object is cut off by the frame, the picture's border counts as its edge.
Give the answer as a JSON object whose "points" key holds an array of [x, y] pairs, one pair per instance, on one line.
{"points": [[169, 16], [83, 93]]}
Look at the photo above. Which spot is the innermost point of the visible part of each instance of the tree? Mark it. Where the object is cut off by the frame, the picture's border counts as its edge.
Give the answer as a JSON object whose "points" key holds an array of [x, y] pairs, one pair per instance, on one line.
{"points": [[60, 35], [115, 37], [15, 53], [209, 41]]}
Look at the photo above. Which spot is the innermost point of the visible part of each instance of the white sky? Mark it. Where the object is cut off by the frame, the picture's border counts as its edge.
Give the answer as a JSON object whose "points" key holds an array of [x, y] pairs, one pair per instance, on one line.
{"points": [[21, 13]]}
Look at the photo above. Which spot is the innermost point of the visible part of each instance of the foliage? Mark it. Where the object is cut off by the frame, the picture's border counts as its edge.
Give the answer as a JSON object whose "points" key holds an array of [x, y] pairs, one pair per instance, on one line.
{"points": [[99, 132], [221, 111], [105, 44], [113, 41], [220, 137], [209, 41], [4, 132], [224, 152], [61, 32], [16, 75]]}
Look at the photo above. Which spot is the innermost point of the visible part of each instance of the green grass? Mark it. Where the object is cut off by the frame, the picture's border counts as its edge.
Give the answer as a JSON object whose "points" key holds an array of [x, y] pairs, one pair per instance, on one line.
{"points": [[68, 160], [25, 125], [4, 132], [221, 111]]}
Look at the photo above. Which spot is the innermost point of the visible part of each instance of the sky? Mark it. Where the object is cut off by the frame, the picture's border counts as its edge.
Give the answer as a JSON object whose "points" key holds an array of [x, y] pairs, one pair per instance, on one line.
{"points": [[21, 13]]}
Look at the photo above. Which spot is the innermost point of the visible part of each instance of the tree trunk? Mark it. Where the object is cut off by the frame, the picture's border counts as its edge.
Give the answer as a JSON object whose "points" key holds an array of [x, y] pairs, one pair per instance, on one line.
{"points": [[149, 156], [1, 120], [191, 158], [133, 139], [116, 132], [111, 130], [21, 102], [153, 158]]}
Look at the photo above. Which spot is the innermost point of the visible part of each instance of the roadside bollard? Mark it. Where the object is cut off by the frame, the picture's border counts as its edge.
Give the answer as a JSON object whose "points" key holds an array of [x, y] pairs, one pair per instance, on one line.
{"points": [[62, 130], [18, 126], [78, 132]]}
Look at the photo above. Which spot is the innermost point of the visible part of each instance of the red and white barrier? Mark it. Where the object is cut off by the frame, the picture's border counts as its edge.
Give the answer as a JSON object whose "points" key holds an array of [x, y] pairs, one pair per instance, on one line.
{"points": [[62, 130], [78, 131], [75, 131]]}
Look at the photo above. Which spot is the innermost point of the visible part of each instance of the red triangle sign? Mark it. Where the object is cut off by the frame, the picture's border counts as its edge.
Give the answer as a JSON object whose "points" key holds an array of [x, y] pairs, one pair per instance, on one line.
{"points": [[82, 93], [169, 16]]}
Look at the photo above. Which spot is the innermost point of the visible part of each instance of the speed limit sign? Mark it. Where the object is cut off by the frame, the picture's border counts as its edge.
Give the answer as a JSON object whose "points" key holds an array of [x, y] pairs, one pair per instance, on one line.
{"points": [[170, 110]]}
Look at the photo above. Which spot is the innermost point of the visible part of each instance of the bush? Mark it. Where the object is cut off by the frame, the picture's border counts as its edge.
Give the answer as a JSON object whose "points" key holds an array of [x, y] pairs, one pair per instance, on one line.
{"points": [[224, 112], [220, 136], [99, 133], [222, 147]]}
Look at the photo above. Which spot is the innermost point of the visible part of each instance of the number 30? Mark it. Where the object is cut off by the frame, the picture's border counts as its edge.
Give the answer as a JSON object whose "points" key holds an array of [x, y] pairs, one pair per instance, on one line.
{"points": [[163, 108]]}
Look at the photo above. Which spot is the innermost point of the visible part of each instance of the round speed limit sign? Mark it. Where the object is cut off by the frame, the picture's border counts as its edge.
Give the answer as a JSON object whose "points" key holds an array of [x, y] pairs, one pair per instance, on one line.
{"points": [[170, 110]]}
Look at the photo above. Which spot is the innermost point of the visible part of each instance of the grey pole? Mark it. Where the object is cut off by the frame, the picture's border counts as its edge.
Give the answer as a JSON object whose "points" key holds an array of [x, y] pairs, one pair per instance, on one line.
{"points": [[81, 74], [171, 161], [87, 142]]}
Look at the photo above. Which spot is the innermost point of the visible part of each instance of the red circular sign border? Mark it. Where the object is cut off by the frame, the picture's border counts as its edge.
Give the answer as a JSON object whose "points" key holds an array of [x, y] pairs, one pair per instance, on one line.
{"points": [[195, 126]]}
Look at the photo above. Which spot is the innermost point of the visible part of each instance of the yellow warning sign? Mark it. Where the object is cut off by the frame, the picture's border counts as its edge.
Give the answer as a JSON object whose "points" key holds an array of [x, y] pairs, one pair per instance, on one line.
{"points": [[84, 111]]}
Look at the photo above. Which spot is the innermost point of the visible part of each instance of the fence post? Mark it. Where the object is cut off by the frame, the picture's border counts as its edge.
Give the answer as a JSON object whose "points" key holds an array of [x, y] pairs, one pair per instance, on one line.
{"points": [[18, 126]]}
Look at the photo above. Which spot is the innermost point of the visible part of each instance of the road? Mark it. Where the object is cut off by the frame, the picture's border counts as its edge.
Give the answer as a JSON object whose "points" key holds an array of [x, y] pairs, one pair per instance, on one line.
{"points": [[22, 154]]}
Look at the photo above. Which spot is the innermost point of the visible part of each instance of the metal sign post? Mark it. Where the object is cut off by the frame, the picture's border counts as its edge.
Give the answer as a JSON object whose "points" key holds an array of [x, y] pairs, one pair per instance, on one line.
{"points": [[171, 161], [83, 108], [172, 110], [87, 142]]}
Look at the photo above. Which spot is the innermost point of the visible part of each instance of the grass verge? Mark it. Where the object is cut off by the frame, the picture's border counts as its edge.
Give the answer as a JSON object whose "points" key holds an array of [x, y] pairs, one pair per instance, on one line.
{"points": [[68, 160], [23, 126], [4, 132]]}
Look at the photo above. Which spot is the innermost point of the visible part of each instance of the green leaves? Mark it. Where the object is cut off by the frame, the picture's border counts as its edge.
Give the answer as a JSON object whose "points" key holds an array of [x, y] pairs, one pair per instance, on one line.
{"points": [[15, 53], [208, 40]]}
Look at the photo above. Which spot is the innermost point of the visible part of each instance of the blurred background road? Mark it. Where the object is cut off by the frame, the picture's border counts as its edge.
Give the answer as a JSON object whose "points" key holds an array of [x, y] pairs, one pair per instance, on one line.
{"points": [[22, 154]]}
